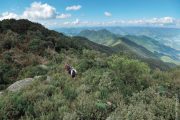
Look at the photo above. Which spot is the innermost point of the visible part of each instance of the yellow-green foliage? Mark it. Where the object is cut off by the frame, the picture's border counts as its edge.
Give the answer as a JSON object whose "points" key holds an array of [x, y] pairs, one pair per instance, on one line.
{"points": [[106, 87]]}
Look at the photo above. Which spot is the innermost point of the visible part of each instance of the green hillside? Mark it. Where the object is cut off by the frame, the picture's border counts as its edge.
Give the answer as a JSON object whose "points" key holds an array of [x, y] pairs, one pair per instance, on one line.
{"points": [[142, 46], [119, 43], [166, 35], [108, 85], [156, 47], [100, 36], [131, 46], [23, 44]]}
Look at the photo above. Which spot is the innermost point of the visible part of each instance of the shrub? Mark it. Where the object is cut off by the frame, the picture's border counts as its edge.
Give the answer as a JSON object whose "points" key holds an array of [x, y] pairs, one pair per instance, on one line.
{"points": [[13, 106], [32, 71], [7, 73], [35, 45], [69, 93], [101, 106], [9, 40], [7, 57], [132, 72], [160, 106], [84, 64]]}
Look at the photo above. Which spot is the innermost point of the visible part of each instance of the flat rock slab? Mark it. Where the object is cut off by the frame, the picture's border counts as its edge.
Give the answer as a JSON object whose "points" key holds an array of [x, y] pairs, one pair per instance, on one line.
{"points": [[1, 93], [48, 79], [20, 84]]}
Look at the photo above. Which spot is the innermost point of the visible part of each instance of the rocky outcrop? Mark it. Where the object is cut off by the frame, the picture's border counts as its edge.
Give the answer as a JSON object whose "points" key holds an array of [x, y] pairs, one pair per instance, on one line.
{"points": [[20, 84], [48, 79], [24, 83], [44, 67]]}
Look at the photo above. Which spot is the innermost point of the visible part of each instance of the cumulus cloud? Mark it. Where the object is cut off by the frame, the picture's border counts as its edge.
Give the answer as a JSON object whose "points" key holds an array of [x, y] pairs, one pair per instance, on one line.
{"points": [[76, 22], [63, 16], [70, 23], [74, 7], [8, 15], [108, 14], [37, 10]]}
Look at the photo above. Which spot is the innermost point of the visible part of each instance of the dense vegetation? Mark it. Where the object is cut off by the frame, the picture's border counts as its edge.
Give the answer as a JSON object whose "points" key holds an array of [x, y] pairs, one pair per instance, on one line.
{"points": [[108, 86], [23, 44]]}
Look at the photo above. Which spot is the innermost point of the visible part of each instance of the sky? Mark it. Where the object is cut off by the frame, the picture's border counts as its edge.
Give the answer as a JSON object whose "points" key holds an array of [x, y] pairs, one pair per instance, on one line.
{"points": [[79, 13]]}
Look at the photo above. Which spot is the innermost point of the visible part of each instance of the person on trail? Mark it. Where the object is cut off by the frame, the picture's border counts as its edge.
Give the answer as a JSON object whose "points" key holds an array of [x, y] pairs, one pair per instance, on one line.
{"points": [[70, 70]]}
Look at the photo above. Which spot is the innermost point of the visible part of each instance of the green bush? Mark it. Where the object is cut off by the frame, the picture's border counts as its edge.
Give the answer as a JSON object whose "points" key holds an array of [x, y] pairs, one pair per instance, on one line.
{"points": [[101, 106], [84, 64], [7, 57], [35, 45], [32, 71], [69, 93], [13, 106], [9, 40], [132, 72], [7, 72]]}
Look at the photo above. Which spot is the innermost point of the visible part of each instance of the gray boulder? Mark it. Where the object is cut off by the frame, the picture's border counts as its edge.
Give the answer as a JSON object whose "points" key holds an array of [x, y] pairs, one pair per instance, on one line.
{"points": [[20, 84], [48, 79], [44, 67], [1, 93]]}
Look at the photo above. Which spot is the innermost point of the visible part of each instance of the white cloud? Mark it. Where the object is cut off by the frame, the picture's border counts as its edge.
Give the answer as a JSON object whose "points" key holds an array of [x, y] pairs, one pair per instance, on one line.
{"points": [[108, 14], [144, 22], [8, 15], [63, 16], [74, 7], [73, 23], [37, 10], [66, 23], [76, 22], [165, 21]]}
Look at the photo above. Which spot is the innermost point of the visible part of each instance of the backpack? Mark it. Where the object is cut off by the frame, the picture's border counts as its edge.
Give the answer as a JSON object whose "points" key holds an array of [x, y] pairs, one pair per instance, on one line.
{"points": [[73, 72]]}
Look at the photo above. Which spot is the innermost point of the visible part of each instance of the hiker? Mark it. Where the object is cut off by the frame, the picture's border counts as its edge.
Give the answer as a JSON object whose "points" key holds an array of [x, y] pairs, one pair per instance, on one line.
{"points": [[70, 70]]}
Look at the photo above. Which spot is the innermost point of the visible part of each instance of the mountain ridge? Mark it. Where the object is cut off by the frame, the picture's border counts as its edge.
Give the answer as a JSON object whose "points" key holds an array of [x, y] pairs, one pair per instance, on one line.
{"points": [[168, 36], [154, 50]]}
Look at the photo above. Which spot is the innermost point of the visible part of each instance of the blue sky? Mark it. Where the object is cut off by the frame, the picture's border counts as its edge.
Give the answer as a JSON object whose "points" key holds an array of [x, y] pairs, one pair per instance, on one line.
{"points": [[68, 13]]}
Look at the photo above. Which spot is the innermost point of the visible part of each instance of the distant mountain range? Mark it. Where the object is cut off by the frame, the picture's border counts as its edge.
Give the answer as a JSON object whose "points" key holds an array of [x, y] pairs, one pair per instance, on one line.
{"points": [[102, 36], [166, 53], [168, 36], [141, 45]]}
